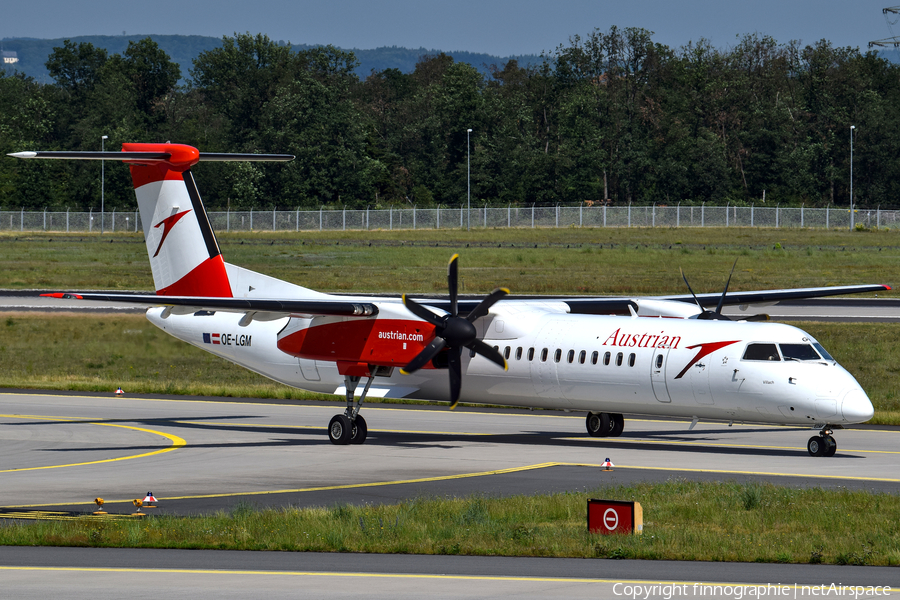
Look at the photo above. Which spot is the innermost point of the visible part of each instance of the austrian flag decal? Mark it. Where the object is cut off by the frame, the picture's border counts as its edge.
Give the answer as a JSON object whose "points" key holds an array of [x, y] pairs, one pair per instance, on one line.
{"points": [[227, 339]]}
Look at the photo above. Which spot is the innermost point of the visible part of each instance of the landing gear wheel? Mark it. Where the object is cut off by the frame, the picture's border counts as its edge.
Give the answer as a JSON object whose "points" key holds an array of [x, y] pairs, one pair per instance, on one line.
{"points": [[358, 430], [597, 424], [830, 446], [616, 424], [339, 430], [817, 446]]}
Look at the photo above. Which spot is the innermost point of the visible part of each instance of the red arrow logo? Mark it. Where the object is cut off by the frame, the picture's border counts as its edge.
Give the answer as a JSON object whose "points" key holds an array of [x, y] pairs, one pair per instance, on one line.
{"points": [[167, 225], [707, 348]]}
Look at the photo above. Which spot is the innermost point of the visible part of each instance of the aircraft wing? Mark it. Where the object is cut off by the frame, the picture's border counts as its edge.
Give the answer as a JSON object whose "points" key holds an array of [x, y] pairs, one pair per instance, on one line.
{"points": [[772, 296], [336, 308]]}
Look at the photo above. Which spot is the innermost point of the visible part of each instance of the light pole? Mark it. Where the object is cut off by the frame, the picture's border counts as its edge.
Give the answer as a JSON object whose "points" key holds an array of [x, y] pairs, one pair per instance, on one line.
{"points": [[852, 127], [468, 180], [103, 139]]}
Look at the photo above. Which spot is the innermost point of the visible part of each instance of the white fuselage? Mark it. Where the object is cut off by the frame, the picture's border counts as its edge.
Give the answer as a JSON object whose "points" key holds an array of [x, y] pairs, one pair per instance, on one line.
{"points": [[637, 365]]}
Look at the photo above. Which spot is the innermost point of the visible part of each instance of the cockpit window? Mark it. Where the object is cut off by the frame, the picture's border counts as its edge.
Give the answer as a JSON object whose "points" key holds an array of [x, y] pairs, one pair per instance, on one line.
{"points": [[761, 352], [799, 352], [822, 351]]}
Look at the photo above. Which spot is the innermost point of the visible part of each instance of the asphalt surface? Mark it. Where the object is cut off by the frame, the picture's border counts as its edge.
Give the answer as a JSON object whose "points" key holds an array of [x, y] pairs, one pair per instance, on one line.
{"points": [[198, 455]]}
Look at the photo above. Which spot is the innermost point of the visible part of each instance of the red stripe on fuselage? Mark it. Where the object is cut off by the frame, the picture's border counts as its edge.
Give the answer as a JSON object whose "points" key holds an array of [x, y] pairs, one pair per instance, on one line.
{"points": [[370, 341], [208, 280]]}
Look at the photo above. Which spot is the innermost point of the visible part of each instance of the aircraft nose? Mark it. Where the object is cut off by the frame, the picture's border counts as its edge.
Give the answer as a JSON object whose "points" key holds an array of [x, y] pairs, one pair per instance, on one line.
{"points": [[856, 407]]}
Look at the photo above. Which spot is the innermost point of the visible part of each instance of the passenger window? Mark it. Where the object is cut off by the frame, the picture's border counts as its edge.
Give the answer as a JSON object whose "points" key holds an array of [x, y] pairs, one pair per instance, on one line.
{"points": [[761, 352], [659, 359], [594, 356], [581, 356], [506, 353], [798, 352], [544, 355], [631, 359], [606, 358], [557, 355], [619, 357], [519, 353], [531, 354], [571, 356]]}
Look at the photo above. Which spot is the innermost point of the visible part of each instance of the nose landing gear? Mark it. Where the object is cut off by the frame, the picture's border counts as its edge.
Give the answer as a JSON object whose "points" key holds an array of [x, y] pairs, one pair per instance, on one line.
{"points": [[822, 444]]}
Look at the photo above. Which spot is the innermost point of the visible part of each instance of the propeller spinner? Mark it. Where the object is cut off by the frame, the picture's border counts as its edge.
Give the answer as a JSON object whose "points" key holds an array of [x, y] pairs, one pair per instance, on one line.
{"points": [[454, 332]]}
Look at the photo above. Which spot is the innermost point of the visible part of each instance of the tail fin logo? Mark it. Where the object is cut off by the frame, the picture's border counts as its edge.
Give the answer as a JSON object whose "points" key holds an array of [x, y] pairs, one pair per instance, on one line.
{"points": [[167, 225]]}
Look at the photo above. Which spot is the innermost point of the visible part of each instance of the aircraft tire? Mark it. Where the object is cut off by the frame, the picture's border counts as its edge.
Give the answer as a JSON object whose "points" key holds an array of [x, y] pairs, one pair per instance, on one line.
{"points": [[830, 446], [358, 430], [616, 424], [597, 424], [816, 446], [339, 430]]}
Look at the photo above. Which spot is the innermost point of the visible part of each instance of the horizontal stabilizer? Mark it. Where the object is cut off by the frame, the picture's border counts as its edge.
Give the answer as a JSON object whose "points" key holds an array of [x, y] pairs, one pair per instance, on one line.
{"points": [[151, 156]]}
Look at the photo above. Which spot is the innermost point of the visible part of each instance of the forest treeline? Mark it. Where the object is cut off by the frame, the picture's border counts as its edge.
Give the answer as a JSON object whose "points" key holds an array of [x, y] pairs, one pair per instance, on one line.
{"points": [[611, 115]]}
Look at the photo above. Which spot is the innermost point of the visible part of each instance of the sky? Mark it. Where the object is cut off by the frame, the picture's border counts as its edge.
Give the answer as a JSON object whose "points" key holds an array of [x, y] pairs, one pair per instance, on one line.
{"points": [[497, 27]]}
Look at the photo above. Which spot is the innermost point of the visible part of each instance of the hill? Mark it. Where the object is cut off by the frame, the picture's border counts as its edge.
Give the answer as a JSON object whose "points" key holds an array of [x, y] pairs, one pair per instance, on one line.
{"points": [[184, 49]]}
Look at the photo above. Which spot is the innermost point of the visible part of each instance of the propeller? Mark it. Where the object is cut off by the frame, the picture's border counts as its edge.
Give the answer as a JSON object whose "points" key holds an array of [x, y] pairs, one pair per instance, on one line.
{"points": [[454, 332], [717, 315]]}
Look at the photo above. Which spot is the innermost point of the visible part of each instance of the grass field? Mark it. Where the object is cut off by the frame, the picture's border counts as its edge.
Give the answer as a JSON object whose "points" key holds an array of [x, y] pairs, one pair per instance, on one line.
{"points": [[559, 261], [682, 521]]}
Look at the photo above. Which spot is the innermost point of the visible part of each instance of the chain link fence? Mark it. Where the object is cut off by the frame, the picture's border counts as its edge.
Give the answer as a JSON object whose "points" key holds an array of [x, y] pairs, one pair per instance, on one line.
{"points": [[478, 217]]}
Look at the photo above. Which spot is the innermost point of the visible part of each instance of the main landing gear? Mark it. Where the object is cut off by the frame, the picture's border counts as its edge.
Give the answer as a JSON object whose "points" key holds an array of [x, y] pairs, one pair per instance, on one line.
{"points": [[605, 424], [822, 444], [350, 427]]}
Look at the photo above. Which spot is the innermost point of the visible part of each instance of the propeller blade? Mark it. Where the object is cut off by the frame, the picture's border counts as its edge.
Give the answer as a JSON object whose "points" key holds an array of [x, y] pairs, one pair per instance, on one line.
{"points": [[455, 367], [422, 312], [422, 358], [486, 304], [489, 353], [453, 283], [683, 276], [725, 291]]}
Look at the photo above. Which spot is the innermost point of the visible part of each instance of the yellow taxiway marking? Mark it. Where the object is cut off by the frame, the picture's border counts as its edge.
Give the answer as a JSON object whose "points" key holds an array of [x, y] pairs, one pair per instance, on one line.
{"points": [[347, 486], [712, 444], [371, 407], [320, 428], [350, 486], [177, 442], [729, 472], [510, 578]]}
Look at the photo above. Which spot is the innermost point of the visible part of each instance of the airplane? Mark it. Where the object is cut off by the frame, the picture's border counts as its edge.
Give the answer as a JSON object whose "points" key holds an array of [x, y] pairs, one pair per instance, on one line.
{"points": [[666, 356]]}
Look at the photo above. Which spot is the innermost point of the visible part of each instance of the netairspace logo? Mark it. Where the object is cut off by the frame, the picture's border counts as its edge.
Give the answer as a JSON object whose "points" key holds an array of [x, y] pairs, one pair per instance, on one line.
{"points": [[739, 592]]}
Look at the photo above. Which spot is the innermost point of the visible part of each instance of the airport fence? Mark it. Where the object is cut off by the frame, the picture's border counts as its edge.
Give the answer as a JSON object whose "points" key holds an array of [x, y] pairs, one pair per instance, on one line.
{"points": [[482, 217]]}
